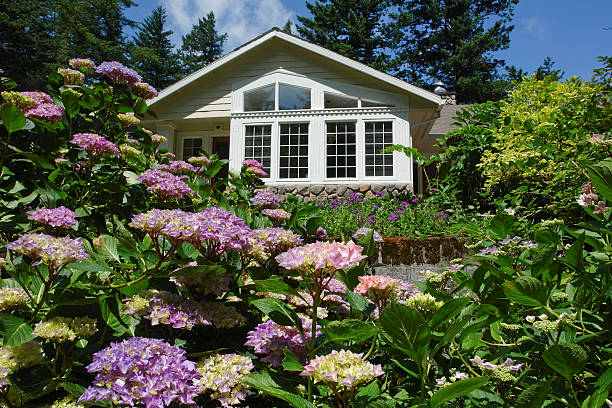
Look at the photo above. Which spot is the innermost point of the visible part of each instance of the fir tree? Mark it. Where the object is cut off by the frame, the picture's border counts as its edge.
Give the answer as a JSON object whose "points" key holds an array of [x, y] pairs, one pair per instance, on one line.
{"points": [[202, 45], [287, 27], [448, 40], [151, 52], [349, 27]]}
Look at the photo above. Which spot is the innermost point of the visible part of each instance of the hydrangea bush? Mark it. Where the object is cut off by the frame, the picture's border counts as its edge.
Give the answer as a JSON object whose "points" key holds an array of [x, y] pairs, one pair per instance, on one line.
{"points": [[140, 280]]}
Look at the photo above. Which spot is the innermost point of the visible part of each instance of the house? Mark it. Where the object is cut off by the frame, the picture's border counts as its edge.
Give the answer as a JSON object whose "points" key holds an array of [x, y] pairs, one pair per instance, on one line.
{"points": [[316, 120]]}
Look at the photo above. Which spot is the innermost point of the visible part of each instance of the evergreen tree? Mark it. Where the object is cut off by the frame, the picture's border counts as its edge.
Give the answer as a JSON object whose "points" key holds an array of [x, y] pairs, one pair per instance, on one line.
{"points": [[151, 52], [93, 29], [202, 45], [547, 69], [349, 27], [287, 28], [447, 40], [28, 48]]}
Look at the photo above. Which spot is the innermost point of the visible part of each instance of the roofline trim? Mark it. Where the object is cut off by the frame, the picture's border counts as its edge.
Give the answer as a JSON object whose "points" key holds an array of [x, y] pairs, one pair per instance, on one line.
{"points": [[276, 33]]}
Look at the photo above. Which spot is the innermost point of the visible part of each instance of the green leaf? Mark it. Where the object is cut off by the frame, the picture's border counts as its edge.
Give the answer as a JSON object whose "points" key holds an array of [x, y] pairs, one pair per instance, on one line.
{"points": [[349, 330], [140, 106], [291, 362], [526, 291], [278, 311], [263, 382], [274, 286], [534, 395], [12, 118], [405, 329], [502, 225], [71, 103], [313, 224], [447, 312], [357, 301], [459, 389], [109, 309], [565, 358], [14, 330], [601, 177]]}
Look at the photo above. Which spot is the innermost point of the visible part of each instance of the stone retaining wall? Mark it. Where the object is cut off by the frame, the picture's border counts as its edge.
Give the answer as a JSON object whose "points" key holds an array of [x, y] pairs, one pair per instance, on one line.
{"points": [[312, 192]]}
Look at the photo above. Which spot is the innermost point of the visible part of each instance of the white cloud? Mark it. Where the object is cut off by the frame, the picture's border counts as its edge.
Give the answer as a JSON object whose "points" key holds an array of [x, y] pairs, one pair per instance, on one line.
{"points": [[535, 27], [242, 20]]}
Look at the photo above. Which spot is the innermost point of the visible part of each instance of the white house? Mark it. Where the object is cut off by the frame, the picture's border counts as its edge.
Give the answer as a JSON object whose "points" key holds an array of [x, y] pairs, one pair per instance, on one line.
{"points": [[316, 120]]}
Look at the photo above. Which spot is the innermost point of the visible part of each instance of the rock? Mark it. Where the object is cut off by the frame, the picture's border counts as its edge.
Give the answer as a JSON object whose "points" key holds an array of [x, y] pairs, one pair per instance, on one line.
{"points": [[317, 189], [364, 187], [370, 194], [353, 187], [330, 188], [341, 190], [303, 190], [378, 187]]}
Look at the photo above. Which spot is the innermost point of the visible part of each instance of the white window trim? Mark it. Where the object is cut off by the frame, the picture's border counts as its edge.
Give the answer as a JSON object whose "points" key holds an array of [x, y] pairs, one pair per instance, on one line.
{"points": [[393, 142], [272, 153], [357, 152], [277, 147]]}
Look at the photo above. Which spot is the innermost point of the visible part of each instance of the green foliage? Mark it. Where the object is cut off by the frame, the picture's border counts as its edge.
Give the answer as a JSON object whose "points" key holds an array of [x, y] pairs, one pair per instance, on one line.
{"points": [[352, 28], [151, 52], [202, 45], [453, 41]]}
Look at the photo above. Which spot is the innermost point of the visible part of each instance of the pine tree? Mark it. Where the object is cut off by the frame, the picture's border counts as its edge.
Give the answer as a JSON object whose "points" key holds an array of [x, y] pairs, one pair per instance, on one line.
{"points": [[28, 49], [93, 28], [287, 27], [202, 45], [151, 52], [349, 27], [447, 40]]}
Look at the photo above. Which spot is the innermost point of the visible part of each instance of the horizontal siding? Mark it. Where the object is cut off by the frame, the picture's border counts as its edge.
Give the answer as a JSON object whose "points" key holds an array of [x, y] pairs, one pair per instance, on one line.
{"points": [[211, 95]]}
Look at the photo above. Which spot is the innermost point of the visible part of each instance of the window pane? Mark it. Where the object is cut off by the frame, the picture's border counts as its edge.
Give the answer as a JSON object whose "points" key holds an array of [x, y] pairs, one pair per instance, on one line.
{"points": [[341, 160], [294, 150], [292, 97], [336, 101], [191, 147], [257, 144], [261, 99], [378, 136]]}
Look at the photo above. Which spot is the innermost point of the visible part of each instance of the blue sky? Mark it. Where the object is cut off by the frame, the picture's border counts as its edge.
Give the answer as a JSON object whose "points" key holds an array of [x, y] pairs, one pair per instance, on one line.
{"points": [[570, 32]]}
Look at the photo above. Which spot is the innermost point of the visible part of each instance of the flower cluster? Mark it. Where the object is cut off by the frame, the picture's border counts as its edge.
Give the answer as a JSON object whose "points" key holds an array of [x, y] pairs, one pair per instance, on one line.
{"points": [[342, 368], [14, 358], [65, 329], [161, 307], [118, 73], [157, 139], [221, 375], [270, 338], [543, 323], [143, 90], [68, 402], [221, 315], [320, 233], [164, 184], [177, 167], [321, 256], [424, 303], [278, 216], [128, 151], [60, 217], [95, 145], [502, 372], [221, 231], [82, 64], [71, 76], [35, 105], [361, 232], [382, 289], [254, 167], [588, 198], [329, 297], [456, 376], [266, 198], [54, 252], [268, 242], [127, 119], [142, 371], [11, 298], [199, 161]]}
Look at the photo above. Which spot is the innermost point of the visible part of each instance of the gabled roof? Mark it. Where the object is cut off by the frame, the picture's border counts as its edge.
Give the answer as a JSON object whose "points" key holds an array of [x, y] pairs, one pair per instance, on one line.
{"points": [[277, 33]]}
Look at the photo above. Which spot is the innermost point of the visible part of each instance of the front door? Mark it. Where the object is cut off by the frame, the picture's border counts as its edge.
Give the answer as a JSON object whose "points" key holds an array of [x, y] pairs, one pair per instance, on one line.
{"points": [[220, 146]]}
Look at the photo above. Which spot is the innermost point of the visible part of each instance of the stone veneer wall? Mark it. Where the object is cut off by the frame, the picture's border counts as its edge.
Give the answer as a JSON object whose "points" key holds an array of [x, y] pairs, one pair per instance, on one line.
{"points": [[312, 192]]}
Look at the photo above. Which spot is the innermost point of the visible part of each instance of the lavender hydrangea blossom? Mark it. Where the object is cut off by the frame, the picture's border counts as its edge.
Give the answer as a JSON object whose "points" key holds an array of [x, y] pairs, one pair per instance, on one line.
{"points": [[118, 73], [60, 217], [277, 216], [95, 145], [142, 371], [35, 105], [165, 185], [143, 90], [221, 376], [266, 198], [82, 64], [55, 252]]}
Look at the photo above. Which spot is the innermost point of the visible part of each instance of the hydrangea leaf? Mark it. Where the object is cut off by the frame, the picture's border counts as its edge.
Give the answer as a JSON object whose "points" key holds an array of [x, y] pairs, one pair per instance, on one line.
{"points": [[526, 291], [534, 395], [349, 330], [263, 382], [565, 358], [278, 312], [405, 329], [12, 118], [459, 389], [14, 330]]}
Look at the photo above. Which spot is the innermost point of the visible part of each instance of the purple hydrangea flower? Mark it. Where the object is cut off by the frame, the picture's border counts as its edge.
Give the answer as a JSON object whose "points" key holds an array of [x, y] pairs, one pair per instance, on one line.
{"points": [[82, 64], [60, 217], [278, 216], [142, 371], [177, 167], [143, 90], [118, 73], [55, 252], [254, 167], [46, 112], [165, 185], [266, 198], [95, 145]]}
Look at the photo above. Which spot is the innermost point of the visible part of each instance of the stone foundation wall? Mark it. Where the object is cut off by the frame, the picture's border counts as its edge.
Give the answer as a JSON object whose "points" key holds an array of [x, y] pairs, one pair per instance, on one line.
{"points": [[313, 192]]}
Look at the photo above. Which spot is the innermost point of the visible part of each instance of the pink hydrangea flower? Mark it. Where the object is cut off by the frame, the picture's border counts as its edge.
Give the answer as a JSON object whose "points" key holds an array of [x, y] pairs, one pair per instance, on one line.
{"points": [[118, 73], [95, 145], [254, 167], [165, 185], [60, 217]]}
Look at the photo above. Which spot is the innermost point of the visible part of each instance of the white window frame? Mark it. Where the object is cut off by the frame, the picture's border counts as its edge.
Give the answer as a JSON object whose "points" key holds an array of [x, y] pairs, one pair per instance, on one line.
{"points": [[393, 141], [277, 146], [272, 153], [182, 144], [357, 152]]}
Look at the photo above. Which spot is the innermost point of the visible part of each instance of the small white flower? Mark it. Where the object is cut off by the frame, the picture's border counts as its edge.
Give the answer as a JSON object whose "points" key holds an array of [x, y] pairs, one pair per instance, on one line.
{"points": [[510, 211], [530, 319], [543, 317]]}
